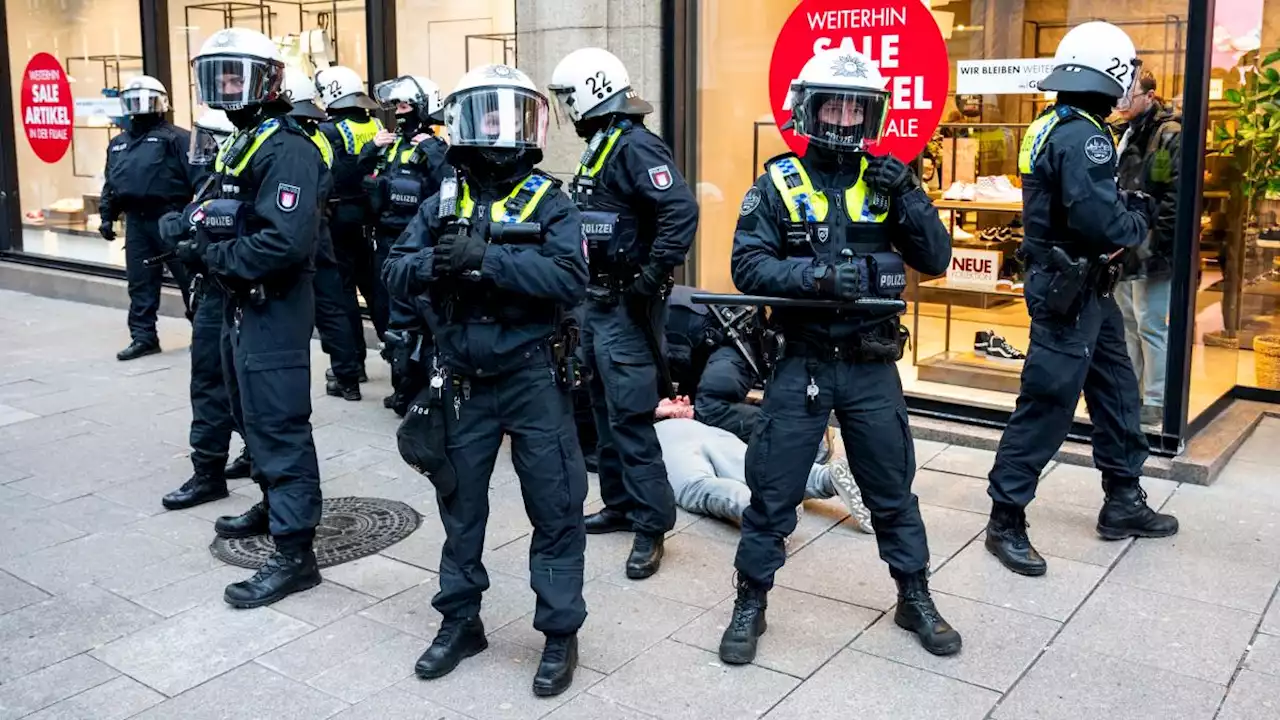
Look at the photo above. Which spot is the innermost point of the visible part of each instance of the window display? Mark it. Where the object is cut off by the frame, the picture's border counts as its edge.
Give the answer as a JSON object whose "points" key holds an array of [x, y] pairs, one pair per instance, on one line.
{"points": [[443, 39]]}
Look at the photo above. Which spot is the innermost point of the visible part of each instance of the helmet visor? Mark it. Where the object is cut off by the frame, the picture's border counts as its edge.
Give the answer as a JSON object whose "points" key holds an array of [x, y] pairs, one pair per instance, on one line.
{"points": [[1127, 76], [398, 90], [497, 117], [843, 119], [204, 145], [565, 113], [143, 101], [227, 82]]}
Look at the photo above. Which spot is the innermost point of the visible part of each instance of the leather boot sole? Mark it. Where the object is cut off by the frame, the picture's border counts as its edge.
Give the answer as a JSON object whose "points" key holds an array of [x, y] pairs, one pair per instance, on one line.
{"points": [[640, 572], [239, 534], [1028, 570], [150, 351], [305, 584], [739, 655], [183, 505], [950, 648], [1110, 533], [470, 651]]}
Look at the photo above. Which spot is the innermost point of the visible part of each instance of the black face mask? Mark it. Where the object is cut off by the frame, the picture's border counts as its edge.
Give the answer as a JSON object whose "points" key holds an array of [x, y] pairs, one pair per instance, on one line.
{"points": [[493, 167], [245, 118], [1096, 104], [408, 124], [144, 123]]}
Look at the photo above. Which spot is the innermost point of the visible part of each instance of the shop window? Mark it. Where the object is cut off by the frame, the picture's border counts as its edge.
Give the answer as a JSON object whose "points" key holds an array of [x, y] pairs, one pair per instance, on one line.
{"points": [[443, 39], [969, 329], [67, 61]]}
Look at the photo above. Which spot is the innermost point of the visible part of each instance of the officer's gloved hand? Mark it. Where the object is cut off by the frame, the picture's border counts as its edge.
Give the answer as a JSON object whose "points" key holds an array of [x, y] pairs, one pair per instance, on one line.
{"points": [[842, 281], [107, 231], [649, 282], [889, 175], [174, 226], [191, 251], [1138, 201], [458, 254]]}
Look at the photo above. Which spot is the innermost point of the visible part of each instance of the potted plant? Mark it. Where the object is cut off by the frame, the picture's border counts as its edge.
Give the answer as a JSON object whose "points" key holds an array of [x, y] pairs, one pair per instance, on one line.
{"points": [[1252, 135]]}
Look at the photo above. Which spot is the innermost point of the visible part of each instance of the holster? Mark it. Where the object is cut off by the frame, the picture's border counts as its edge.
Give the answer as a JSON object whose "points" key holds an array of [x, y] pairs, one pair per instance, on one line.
{"points": [[407, 371], [422, 439], [1068, 284], [564, 353]]}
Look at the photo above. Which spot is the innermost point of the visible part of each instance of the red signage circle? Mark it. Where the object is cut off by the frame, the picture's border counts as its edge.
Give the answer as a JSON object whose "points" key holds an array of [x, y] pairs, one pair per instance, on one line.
{"points": [[47, 108], [900, 36]]}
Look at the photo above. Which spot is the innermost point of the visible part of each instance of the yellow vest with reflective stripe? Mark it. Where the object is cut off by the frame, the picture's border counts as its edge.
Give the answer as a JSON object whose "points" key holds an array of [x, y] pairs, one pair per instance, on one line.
{"points": [[323, 144], [355, 135], [584, 171], [808, 204], [395, 156], [1037, 135], [265, 130], [536, 186]]}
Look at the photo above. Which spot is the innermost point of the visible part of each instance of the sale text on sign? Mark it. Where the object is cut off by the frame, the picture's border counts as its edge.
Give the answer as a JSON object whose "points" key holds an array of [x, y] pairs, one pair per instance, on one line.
{"points": [[974, 269], [47, 107]]}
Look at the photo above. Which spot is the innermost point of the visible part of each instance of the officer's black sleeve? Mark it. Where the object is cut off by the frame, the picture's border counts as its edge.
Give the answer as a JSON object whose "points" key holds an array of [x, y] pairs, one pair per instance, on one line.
{"points": [[409, 262], [556, 269], [923, 240], [107, 202], [1087, 184], [287, 169], [644, 157], [181, 143], [438, 167], [758, 264], [722, 394], [367, 160]]}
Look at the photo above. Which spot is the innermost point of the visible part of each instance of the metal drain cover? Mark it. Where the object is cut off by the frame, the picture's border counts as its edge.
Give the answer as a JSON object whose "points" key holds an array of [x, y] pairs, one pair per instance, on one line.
{"points": [[350, 528]]}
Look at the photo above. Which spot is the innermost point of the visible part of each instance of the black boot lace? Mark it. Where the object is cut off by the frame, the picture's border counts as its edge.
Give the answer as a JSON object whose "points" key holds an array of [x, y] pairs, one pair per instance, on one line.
{"points": [[274, 564], [556, 649], [745, 609], [920, 601], [643, 544]]}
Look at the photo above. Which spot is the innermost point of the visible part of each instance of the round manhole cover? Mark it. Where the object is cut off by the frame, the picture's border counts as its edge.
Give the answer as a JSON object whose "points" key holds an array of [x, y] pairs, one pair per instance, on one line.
{"points": [[350, 528]]}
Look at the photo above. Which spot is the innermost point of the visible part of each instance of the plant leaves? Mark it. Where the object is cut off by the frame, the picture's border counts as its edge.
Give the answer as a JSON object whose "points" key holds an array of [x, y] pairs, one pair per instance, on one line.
{"points": [[1234, 97], [1220, 133], [1271, 58], [1269, 107], [1273, 75]]}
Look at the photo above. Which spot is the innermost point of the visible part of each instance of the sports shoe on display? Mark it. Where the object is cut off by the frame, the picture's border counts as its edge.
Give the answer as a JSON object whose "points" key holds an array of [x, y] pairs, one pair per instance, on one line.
{"points": [[998, 348], [1011, 192], [981, 340], [961, 234], [955, 192]]}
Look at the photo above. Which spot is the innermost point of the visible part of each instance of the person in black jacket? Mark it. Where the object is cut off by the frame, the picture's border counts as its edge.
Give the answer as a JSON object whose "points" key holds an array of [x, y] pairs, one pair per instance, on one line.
{"points": [[147, 175], [1148, 163]]}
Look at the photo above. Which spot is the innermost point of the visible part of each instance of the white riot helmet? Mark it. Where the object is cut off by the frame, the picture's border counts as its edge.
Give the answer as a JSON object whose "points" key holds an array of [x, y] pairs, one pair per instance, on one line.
{"points": [[211, 129], [300, 91], [1095, 57], [340, 88], [496, 106], [144, 95], [420, 92], [237, 68], [839, 101], [591, 82]]}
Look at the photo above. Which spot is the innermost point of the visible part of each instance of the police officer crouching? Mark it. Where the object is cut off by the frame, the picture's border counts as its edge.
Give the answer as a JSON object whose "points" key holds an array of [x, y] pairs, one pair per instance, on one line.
{"points": [[147, 175], [498, 253], [256, 239], [836, 224], [639, 218], [1076, 224]]}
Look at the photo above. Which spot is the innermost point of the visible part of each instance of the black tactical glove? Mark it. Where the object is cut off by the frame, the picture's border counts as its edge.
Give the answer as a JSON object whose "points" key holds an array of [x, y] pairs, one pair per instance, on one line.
{"points": [[107, 231], [175, 227], [458, 254], [842, 281], [649, 282], [1138, 201], [889, 175], [191, 251]]}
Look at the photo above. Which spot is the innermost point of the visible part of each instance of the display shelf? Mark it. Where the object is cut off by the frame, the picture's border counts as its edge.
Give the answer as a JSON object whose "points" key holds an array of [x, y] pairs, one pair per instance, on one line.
{"points": [[969, 369], [977, 205], [943, 285], [69, 228]]}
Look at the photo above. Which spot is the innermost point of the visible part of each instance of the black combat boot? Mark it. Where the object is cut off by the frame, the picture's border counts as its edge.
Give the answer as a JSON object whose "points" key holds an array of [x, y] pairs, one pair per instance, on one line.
{"points": [[346, 391], [458, 639], [738, 643], [917, 613], [646, 556], [555, 671], [204, 486], [289, 570], [1125, 513], [239, 468], [251, 522], [606, 521], [1007, 540], [364, 376], [138, 349]]}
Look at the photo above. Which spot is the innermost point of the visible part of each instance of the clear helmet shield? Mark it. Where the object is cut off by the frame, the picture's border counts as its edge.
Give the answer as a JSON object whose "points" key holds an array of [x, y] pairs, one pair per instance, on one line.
{"points": [[402, 89], [143, 101], [230, 82], [497, 117], [840, 118], [204, 146]]}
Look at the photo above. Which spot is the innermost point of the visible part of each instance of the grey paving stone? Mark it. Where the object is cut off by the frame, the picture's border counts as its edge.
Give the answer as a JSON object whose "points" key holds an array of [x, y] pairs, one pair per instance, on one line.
{"points": [[9, 474], [963, 461], [376, 576], [805, 630], [589, 707], [143, 493], [927, 450], [1079, 485], [999, 644], [233, 504], [248, 691], [977, 575], [47, 632], [180, 653], [324, 604], [1264, 655], [422, 548], [507, 599], [949, 530], [1253, 696], [1271, 621], [396, 704], [1069, 531], [1067, 684], [694, 572], [817, 518], [161, 574], [114, 700], [679, 682], [183, 595], [495, 685], [326, 647], [1252, 482], [10, 415], [65, 475], [19, 389], [90, 558], [45, 687], [354, 460], [1183, 636], [25, 533], [178, 528], [377, 668], [92, 514], [622, 622], [953, 491], [16, 594], [855, 685], [863, 578]]}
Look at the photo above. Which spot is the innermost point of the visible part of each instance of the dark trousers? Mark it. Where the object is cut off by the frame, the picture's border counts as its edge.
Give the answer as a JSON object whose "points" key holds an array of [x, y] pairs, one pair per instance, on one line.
{"points": [[624, 394], [333, 321], [1063, 360], [868, 402], [142, 241], [354, 252], [266, 353], [722, 394], [211, 419], [529, 406]]}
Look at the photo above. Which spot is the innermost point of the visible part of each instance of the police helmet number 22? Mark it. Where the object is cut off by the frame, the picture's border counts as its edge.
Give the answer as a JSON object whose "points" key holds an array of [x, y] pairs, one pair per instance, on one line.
{"points": [[599, 85], [1119, 70]]}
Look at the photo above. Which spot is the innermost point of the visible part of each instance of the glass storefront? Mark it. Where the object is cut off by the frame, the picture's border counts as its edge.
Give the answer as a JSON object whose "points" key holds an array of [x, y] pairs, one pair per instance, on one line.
{"points": [[443, 39]]}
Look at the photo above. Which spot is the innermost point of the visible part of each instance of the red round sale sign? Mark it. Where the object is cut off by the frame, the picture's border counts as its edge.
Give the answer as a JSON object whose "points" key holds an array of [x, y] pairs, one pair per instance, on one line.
{"points": [[47, 107], [900, 36]]}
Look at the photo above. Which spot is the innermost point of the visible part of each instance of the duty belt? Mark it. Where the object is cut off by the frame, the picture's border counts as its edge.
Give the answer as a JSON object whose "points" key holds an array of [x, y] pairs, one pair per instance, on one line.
{"points": [[867, 347]]}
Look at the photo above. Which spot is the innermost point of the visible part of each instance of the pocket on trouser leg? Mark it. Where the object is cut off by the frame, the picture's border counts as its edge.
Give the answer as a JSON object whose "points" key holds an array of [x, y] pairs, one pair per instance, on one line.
{"points": [[276, 390], [632, 383], [1056, 364]]}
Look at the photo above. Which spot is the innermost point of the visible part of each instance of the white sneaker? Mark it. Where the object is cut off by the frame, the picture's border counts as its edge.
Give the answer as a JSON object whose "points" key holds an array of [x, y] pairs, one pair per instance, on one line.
{"points": [[956, 191], [970, 193], [961, 234], [1007, 188], [851, 496], [986, 189]]}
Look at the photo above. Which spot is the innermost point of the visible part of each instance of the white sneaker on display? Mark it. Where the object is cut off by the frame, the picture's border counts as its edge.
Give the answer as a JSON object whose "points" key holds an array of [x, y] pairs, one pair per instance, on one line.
{"points": [[956, 191], [961, 234], [986, 189], [970, 193], [1007, 188]]}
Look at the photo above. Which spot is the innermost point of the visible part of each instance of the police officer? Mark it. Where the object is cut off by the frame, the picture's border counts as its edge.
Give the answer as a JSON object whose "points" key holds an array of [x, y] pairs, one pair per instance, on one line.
{"points": [[257, 240], [837, 224], [1076, 221], [147, 175], [211, 419], [402, 169], [349, 129], [498, 253], [639, 220]]}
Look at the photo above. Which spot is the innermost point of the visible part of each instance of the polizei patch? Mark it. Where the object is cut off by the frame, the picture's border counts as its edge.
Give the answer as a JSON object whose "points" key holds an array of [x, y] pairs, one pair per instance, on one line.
{"points": [[660, 177], [1099, 150], [287, 197], [750, 202]]}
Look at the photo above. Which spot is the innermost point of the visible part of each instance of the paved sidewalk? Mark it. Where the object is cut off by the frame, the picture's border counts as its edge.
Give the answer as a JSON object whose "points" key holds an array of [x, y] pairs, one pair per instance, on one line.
{"points": [[111, 608]]}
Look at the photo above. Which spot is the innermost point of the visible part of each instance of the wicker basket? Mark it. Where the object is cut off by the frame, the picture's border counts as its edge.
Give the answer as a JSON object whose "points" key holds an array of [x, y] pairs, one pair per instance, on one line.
{"points": [[1267, 360]]}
